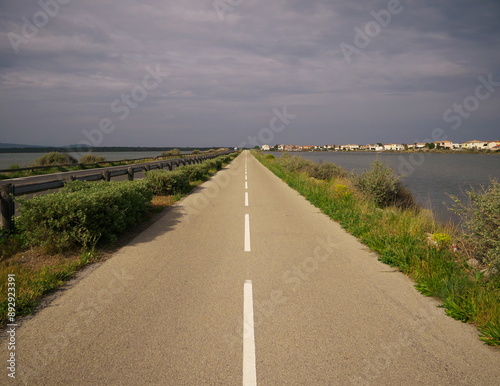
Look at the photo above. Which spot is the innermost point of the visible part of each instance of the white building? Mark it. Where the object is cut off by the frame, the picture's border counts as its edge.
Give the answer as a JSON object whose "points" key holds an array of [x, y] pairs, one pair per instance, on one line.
{"points": [[350, 147], [444, 144], [393, 146], [479, 145]]}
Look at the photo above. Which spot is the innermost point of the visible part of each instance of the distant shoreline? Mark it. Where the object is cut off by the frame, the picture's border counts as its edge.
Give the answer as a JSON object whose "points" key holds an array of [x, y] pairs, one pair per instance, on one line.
{"points": [[393, 151], [114, 149]]}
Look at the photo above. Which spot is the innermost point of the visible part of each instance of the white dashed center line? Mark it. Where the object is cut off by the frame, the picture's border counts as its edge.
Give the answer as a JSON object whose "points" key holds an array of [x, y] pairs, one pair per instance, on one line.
{"points": [[247, 232], [249, 367]]}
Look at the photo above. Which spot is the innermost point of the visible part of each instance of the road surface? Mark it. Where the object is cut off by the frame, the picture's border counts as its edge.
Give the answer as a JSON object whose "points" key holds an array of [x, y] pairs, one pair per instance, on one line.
{"points": [[245, 282]]}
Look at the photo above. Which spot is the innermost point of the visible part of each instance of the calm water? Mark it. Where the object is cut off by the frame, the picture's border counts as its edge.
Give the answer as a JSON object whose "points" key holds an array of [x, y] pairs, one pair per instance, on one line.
{"points": [[23, 159], [431, 178]]}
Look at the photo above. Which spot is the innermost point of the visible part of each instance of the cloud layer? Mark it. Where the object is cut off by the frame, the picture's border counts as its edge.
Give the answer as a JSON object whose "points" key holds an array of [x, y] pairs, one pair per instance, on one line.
{"points": [[230, 62]]}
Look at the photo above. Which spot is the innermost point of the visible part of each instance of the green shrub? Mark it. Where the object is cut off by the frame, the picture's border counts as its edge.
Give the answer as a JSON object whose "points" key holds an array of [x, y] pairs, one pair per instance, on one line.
{"points": [[54, 158], [320, 171], [270, 156], [214, 163], [82, 213], [380, 184], [195, 172], [218, 162], [91, 159], [225, 159], [165, 182], [480, 216], [293, 163], [171, 153], [324, 171]]}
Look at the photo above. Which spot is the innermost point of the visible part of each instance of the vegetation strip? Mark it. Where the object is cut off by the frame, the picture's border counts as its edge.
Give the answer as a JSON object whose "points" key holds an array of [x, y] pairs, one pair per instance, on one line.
{"points": [[59, 233], [62, 162], [376, 208]]}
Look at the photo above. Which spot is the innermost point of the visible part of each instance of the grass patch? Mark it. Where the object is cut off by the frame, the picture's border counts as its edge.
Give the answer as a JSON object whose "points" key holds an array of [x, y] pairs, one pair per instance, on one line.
{"points": [[403, 236], [37, 274]]}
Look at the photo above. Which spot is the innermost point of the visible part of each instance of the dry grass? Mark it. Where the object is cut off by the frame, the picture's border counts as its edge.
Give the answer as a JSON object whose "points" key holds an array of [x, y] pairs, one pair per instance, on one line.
{"points": [[161, 202], [37, 258]]}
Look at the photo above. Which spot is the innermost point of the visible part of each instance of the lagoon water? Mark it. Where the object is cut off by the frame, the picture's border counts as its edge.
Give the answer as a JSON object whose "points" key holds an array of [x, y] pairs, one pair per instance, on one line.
{"points": [[23, 159], [430, 177]]}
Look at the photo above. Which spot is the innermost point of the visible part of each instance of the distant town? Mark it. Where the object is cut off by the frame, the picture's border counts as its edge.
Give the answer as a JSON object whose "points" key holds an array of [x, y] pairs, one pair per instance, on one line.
{"points": [[442, 145]]}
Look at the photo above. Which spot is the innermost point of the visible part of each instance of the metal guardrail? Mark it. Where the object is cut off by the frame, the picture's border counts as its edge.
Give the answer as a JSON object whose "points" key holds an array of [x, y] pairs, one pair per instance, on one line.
{"points": [[86, 165], [11, 188]]}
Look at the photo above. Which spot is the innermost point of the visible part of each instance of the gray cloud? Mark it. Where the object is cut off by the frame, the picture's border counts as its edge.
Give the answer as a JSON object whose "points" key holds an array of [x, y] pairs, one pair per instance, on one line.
{"points": [[226, 76]]}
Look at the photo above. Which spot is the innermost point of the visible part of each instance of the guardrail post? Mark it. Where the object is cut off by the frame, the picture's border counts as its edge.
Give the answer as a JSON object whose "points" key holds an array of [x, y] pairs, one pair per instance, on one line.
{"points": [[7, 206], [106, 175], [130, 174]]}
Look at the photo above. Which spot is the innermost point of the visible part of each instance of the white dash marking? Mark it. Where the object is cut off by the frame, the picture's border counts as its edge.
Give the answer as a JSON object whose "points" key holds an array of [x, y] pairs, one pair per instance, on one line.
{"points": [[249, 367], [247, 232], [246, 185], [246, 198], [246, 177]]}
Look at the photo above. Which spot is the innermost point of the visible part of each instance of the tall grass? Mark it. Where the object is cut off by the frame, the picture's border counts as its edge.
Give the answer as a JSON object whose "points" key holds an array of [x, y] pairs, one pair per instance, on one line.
{"points": [[400, 237]]}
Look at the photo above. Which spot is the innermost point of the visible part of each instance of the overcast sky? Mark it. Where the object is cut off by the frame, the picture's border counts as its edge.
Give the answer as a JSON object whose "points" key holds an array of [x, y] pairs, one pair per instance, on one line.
{"points": [[214, 73]]}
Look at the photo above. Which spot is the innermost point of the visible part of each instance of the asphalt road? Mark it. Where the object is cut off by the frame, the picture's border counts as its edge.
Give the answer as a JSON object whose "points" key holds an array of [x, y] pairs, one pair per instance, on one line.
{"points": [[245, 282]]}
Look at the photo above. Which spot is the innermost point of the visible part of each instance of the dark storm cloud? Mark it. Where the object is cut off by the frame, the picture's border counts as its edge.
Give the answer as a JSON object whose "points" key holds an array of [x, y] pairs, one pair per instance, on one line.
{"points": [[225, 76]]}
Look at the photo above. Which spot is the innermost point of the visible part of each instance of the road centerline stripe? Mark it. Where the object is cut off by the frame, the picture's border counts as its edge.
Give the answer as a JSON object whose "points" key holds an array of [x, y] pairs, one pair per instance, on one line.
{"points": [[247, 232], [249, 367], [246, 198]]}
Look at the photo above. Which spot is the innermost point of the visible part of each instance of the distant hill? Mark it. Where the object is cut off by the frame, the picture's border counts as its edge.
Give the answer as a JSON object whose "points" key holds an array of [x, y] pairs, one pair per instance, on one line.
{"points": [[18, 146]]}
